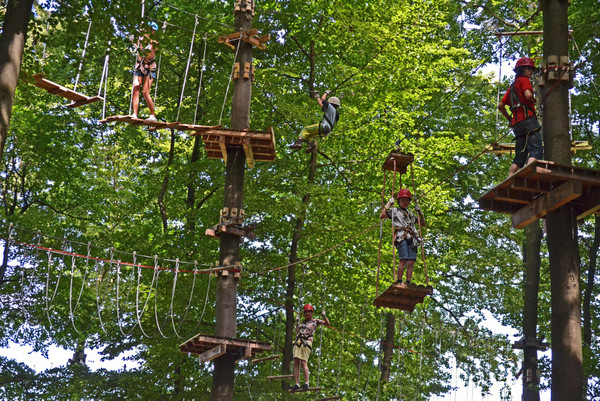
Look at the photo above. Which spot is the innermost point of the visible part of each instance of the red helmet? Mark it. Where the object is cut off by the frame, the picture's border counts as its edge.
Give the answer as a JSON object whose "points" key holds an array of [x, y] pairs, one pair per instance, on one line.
{"points": [[308, 307], [524, 62], [404, 193]]}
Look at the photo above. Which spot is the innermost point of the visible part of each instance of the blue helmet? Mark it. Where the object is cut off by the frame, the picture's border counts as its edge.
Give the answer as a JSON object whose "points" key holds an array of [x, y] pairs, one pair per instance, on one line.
{"points": [[153, 25]]}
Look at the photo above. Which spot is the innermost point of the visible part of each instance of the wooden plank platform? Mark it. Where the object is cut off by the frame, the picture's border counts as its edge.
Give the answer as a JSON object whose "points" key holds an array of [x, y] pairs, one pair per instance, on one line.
{"points": [[304, 390], [258, 145], [402, 161], [282, 377], [542, 187], [400, 296], [248, 36], [509, 148], [211, 347], [537, 343], [196, 129], [77, 98]]}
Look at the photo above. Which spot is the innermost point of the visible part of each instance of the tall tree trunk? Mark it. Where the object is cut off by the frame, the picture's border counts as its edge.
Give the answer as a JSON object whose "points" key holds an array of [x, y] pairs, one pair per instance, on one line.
{"points": [[226, 297], [567, 363], [587, 297], [12, 44], [531, 285], [387, 345]]}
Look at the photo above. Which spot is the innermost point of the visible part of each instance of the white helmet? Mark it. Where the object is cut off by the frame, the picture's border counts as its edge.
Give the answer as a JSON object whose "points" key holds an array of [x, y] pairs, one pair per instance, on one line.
{"points": [[334, 100]]}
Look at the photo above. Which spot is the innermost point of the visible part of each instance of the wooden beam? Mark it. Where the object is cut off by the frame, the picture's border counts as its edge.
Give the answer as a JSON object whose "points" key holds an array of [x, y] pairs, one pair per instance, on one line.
{"points": [[212, 353], [335, 397], [267, 358], [249, 153], [588, 204], [282, 377], [547, 203], [223, 148], [304, 390], [512, 195], [531, 185]]}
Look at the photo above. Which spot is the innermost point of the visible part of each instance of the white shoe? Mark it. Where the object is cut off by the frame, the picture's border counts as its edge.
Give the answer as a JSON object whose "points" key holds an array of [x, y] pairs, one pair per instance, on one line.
{"points": [[152, 118], [133, 115]]}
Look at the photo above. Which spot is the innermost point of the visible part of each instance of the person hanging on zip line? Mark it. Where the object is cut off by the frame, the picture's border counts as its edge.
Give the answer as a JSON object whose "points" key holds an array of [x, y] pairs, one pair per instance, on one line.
{"points": [[303, 344], [406, 236], [323, 128], [144, 72], [522, 118]]}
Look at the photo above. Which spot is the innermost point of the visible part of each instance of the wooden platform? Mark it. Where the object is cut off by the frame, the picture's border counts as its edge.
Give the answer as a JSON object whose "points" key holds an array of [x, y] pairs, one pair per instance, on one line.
{"points": [[258, 145], [196, 129], [399, 296], [398, 161], [282, 377], [303, 390], [210, 347], [248, 36], [55, 89], [537, 343], [509, 148], [542, 187]]}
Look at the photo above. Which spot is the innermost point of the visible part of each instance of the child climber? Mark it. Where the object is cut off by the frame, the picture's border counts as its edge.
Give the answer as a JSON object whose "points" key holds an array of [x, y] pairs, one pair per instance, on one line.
{"points": [[523, 120], [330, 118], [406, 236], [303, 345]]}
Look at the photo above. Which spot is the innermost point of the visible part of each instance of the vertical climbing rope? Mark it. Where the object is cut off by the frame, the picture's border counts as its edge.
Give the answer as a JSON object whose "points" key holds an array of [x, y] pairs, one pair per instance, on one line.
{"points": [[104, 80], [380, 238], [187, 66], [202, 68], [164, 28], [337, 387], [87, 36], [419, 227], [394, 271]]}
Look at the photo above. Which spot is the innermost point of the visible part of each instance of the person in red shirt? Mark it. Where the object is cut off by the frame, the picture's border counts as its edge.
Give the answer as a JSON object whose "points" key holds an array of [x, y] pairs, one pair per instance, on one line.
{"points": [[522, 118]]}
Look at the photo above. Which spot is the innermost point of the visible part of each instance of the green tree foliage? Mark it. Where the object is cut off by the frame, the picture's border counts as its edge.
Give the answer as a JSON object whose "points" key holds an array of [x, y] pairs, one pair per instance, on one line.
{"points": [[404, 71]]}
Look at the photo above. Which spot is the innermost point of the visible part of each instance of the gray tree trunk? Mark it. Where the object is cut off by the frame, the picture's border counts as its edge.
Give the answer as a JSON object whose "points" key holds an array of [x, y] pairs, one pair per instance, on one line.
{"points": [[12, 44], [531, 285], [226, 297], [567, 364]]}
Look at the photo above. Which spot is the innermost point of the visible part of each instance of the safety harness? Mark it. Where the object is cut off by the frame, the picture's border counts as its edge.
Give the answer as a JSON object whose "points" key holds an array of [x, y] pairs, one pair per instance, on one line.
{"points": [[323, 133], [515, 103], [144, 65], [406, 230]]}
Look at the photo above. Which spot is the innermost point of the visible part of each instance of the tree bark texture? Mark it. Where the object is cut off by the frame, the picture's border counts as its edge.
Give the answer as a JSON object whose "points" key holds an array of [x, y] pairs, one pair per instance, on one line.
{"points": [[226, 298], [587, 296], [533, 233], [387, 344], [567, 366], [12, 45]]}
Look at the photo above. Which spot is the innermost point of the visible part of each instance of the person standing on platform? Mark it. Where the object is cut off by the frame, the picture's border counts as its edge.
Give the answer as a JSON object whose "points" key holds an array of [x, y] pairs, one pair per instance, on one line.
{"points": [[322, 129], [522, 118], [303, 345], [406, 236], [144, 72]]}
